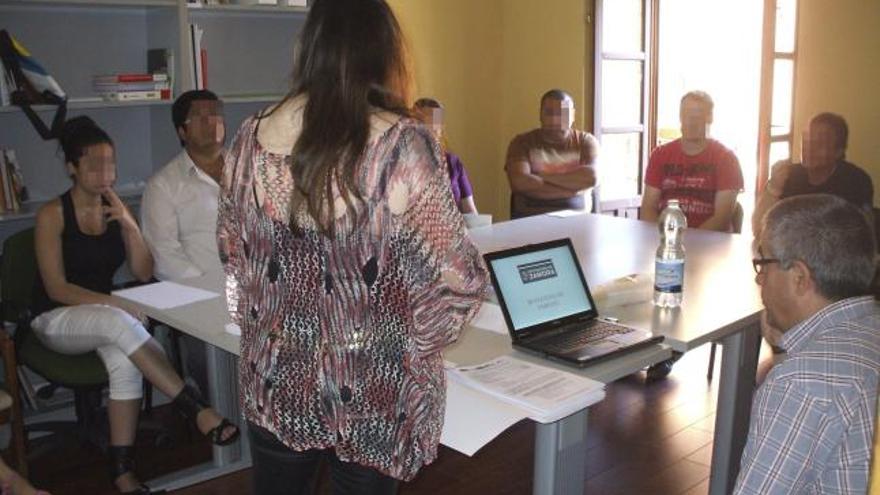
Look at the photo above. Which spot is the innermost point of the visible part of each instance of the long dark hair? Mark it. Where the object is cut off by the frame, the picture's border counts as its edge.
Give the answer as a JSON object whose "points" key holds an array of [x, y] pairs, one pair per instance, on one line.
{"points": [[350, 59]]}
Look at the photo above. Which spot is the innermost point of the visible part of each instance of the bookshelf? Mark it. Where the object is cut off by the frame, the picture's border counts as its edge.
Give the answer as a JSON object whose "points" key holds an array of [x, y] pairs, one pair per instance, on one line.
{"points": [[250, 53]]}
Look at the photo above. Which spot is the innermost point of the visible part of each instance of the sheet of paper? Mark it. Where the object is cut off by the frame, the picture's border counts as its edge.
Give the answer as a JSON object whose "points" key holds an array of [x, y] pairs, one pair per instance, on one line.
{"points": [[546, 393], [566, 213], [233, 328], [165, 295], [490, 318], [474, 419]]}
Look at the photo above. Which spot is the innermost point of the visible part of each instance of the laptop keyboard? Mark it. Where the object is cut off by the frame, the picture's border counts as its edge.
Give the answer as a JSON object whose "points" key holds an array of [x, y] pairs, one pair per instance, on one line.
{"points": [[570, 341]]}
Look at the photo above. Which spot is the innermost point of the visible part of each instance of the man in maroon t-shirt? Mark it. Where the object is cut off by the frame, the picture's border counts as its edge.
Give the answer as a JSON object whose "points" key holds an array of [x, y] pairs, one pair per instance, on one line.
{"points": [[698, 171]]}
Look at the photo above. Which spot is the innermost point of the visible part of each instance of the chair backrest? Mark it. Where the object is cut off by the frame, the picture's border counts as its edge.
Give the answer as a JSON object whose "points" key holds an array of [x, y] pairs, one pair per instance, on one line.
{"points": [[736, 219], [18, 270], [623, 207]]}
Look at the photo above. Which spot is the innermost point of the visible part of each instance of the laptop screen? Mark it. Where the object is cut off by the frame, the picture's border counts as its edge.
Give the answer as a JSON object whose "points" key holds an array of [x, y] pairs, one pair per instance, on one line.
{"points": [[540, 285]]}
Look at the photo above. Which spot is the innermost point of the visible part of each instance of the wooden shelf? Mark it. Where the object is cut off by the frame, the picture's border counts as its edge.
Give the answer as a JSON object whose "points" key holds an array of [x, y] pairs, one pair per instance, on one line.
{"points": [[132, 4], [251, 98], [91, 104], [230, 9]]}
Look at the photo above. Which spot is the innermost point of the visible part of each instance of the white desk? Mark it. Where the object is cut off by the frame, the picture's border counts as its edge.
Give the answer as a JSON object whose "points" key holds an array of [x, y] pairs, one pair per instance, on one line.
{"points": [[205, 320], [608, 247], [721, 303]]}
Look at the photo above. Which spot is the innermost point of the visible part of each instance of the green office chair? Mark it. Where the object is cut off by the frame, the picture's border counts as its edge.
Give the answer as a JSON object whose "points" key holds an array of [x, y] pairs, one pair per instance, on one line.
{"points": [[84, 373]]}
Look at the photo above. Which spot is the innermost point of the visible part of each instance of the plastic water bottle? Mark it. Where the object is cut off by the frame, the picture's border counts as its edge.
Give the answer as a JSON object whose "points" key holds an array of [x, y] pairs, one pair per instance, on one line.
{"points": [[669, 263]]}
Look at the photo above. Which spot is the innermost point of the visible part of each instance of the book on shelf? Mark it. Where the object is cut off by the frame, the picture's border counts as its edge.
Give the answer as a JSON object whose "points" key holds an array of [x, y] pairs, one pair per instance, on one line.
{"points": [[161, 61], [197, 70], [203, 58], [134, 86], [4, 87], [164, 94], [17, 177], [129, 78], [12, 190]]}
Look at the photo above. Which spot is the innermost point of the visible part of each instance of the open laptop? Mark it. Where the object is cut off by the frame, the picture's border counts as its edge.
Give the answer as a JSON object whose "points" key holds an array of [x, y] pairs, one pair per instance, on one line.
{"points": [[549, 309]]}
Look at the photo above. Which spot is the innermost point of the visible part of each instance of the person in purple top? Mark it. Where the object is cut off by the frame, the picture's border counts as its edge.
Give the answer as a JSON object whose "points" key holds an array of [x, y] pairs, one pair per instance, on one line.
{"points": [[430, 111]]}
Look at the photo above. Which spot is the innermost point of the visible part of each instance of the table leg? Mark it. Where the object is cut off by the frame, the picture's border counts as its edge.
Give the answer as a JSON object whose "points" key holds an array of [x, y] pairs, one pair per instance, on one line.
{"points": [[223, 396], [560, 455], [739, 361]]}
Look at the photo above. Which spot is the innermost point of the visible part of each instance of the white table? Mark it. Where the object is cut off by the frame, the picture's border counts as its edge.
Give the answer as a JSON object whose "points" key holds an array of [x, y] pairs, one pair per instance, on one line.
{"points": [[721, 303], [205, 320], [607, 247]]}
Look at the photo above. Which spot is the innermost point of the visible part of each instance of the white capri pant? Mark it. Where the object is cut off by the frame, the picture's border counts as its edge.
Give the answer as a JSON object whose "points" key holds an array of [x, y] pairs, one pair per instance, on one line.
{"points": [[110, 331]]}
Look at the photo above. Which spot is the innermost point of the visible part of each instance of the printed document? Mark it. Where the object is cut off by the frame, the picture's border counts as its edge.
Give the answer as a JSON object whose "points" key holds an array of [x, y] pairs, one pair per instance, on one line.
{"points": [[548, 394]]}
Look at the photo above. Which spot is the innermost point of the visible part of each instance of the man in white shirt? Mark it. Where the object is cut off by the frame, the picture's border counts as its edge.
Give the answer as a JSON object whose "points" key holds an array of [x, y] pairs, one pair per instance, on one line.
{"points": [[179, 205]]}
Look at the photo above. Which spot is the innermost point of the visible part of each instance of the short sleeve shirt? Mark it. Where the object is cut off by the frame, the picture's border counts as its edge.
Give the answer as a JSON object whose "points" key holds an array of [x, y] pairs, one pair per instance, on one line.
{"points": [[458, 178], [693, 179], [550, 153], [848, 182]]}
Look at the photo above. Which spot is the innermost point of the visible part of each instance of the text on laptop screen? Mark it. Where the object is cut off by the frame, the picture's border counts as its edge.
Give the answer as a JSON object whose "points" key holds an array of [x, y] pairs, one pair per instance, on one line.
{"points": [[540, 286]]}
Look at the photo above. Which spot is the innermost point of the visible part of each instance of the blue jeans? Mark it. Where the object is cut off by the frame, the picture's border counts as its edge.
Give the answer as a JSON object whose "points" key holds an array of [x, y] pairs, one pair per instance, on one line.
{"points": [[278, 470]]}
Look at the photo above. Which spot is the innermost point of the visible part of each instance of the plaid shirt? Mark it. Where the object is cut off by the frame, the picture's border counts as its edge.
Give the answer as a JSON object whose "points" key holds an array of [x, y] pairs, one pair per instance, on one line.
{"points": [[813, 417]]}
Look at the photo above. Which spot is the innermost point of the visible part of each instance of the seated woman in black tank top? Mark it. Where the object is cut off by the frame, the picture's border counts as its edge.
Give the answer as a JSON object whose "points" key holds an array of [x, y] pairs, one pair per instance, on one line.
{"points": [[81, 239]]}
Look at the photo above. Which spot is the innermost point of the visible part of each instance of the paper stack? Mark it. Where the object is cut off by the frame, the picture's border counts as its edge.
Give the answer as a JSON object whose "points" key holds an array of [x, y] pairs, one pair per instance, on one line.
{"points": [[546, 393]]}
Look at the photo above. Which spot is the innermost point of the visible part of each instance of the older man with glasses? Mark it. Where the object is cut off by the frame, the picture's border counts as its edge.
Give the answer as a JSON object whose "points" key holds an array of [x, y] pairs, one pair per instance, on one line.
{"points": [[813, 416]]}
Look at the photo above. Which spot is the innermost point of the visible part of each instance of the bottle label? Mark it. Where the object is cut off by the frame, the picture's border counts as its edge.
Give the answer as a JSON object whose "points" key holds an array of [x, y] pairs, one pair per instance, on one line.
{"points": [[669, 276]]}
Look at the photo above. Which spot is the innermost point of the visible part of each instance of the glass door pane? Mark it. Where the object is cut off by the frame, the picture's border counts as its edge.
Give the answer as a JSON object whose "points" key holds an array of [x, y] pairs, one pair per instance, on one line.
{"points": [[622, 47], [783, 77], [620, 165], [786, 19], [622, 92], [624, 17]]}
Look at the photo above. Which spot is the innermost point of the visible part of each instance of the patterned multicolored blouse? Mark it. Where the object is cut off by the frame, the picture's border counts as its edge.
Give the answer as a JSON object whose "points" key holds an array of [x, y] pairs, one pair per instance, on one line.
{"points": [[341, 337]]}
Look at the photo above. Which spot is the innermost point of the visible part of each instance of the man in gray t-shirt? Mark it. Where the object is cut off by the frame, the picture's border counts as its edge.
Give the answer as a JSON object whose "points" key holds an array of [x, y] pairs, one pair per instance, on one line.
{"points": [[550, 168]]}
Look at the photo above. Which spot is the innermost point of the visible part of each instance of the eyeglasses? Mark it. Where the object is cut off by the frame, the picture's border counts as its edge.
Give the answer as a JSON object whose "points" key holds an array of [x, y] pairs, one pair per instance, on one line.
{"points": [[758, 263]]}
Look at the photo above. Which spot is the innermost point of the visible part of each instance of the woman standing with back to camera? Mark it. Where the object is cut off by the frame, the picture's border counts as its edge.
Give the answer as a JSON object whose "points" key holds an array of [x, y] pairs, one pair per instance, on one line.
{"points": [[348, 267]]}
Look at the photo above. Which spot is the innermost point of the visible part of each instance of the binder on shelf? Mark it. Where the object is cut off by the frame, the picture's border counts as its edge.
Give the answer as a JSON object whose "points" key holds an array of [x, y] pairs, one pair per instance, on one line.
{"points": [[198, 72]]}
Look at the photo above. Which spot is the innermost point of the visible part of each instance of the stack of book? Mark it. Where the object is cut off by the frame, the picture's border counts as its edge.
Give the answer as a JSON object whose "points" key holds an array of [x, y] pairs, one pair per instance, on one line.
{"points": [[133, 87], [12, 189]]}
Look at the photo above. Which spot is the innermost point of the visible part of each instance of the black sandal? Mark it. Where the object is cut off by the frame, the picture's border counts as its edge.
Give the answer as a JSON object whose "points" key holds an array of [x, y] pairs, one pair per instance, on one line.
{"points": [[121, 461], [190, 403]]}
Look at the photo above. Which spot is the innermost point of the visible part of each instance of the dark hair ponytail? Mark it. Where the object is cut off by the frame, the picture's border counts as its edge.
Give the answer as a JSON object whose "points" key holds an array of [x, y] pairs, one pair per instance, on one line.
{"points": [[79, 133], [350, 60]]}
